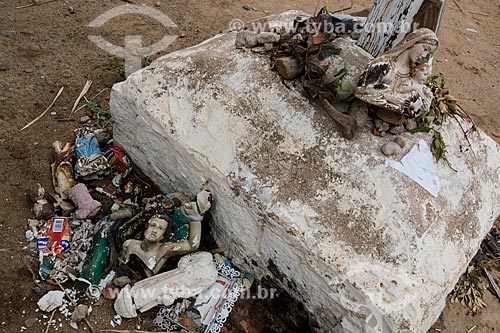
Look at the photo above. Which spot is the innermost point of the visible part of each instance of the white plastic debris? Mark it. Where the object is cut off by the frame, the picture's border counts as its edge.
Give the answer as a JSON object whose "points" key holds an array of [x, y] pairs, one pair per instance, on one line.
{"points": [[51, 300], [30, 235], [116, 321]]}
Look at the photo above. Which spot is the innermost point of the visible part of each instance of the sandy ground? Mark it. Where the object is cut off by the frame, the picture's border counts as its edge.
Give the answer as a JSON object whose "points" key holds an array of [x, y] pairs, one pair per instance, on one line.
{"points": [[45, 47]]}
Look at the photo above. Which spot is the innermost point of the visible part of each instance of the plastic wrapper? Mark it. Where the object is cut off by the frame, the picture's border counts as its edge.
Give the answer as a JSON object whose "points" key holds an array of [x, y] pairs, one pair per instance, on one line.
{"points": [[90, 161]]}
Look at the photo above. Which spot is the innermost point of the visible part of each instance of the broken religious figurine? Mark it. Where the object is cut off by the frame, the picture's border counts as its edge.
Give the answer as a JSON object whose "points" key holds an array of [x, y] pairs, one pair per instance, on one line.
{"points": [[185, 237], [196, 273], [397, 80]]}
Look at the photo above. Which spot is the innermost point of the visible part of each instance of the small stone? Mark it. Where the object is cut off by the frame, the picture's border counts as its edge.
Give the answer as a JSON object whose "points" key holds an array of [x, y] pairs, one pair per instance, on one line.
{"points": [[267, 37], [28, 70], [268, 46], [79, 313], [400, 141], [54, 113], [29, 322], [246, 38], [381, 125], [410, 124], [265, 11], [254, 8], [121, 281], [391, 149], [157, 4], [247, 7], [397, 129], [71, 10], [4, 67], [356, 34], [288, 67], [84, 119]]}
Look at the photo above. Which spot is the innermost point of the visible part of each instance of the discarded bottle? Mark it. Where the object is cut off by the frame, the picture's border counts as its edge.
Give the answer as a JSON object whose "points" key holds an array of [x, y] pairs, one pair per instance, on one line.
{"points": [[92, 271]]}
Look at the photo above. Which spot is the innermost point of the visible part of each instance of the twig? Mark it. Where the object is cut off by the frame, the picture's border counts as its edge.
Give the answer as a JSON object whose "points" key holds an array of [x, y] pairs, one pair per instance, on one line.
{"points": [[85, 89], [74, 304], [473, 327], [44, 112], [35, 4], [492, 281], [50, 321], [456, 4]]}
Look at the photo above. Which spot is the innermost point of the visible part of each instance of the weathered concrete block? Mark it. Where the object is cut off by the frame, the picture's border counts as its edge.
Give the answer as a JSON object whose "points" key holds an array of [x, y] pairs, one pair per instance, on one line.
{"points": [[364, 247]]}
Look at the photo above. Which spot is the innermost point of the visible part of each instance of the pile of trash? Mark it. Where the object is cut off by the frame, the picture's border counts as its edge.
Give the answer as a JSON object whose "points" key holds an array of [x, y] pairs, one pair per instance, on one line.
{"points": [[99, 234]]}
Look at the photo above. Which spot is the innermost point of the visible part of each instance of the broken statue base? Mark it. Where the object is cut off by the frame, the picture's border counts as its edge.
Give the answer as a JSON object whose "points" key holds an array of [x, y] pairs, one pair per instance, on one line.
{"points": [[364, 247]]}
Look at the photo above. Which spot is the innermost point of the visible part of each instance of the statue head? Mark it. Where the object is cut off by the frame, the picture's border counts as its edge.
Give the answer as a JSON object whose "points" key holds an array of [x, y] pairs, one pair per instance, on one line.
{"points": [[155, 230], [417, 47]]}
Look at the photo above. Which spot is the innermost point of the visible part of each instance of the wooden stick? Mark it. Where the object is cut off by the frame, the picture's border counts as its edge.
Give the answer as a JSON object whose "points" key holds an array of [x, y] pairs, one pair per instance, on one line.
{"points": [[473, 327], [44, 112], [456, 4], [74, 304], [85, 89], [50, 321], [35, 4]]}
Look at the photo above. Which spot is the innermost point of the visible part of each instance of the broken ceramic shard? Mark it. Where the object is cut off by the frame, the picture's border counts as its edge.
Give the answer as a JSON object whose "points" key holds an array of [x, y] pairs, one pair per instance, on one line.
{"points": [[62, 168], [397, 80], [51, 300], [195, 273]]}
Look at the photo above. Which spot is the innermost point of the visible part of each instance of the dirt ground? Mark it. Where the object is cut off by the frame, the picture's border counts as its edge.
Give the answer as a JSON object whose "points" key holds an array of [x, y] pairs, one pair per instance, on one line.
{"points": [[45, 47]]}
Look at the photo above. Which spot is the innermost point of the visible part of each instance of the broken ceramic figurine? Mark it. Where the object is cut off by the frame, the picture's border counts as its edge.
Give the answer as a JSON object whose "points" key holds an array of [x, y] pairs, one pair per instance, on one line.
{"points": [[397, 80], [185, 236], [151, 250], [62, 168], [195, 273]]}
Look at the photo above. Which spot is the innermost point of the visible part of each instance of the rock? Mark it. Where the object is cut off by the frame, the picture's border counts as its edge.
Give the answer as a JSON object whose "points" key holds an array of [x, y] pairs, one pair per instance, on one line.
{"points": [[51, 300], [157, 4], [121, 281], [381, 125], [410, 124], [4, 67], [398, 129], [355, 34], [288, 67], [391, 149], [400, 141], [80, 313], [267, 37], [84, 119], [28, 70], [247, 7], [246, 38], [357, 245], [29, 322], [268, 46], [353, 56]]}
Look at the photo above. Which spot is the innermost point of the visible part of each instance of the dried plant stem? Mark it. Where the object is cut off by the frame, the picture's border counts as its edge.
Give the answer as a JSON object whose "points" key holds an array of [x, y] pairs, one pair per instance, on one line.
{"points": [[44, 112]]}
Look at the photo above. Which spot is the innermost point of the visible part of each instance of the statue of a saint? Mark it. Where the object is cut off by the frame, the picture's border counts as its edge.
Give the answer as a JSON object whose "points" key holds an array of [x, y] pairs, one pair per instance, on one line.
{"points": [[397, 80]]}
